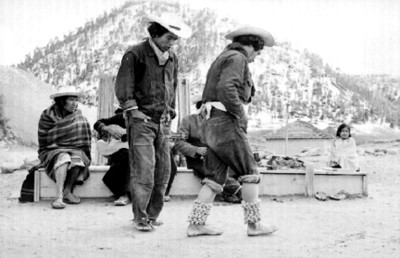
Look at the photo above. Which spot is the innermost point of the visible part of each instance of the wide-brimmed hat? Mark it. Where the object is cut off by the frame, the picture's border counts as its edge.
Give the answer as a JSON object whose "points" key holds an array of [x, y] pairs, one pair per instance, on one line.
{"points": [[250, 30], [66, 91], [172, 24]]}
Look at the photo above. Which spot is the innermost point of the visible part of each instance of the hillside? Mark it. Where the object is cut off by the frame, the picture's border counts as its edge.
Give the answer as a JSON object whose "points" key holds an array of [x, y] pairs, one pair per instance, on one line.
{"points": [[25, 97], [284, 76]]}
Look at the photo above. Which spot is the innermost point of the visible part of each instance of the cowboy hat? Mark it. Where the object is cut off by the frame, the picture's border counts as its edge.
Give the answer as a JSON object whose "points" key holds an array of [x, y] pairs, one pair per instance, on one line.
{"points": [[66, 91], [250, 30], [172, 24]]}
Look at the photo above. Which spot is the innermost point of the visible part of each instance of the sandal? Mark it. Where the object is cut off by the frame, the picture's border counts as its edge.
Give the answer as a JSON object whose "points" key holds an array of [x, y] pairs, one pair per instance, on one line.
{"points": [[321, 196], [58, 204], [145, 227], [122, 201], [71, 199], [156, 223]]}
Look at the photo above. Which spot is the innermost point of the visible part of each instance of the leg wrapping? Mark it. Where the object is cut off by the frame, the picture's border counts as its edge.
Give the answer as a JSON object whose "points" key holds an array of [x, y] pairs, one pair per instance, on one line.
{"points": [[217, 188], [252, 212], [251, 179], [199, 213]]}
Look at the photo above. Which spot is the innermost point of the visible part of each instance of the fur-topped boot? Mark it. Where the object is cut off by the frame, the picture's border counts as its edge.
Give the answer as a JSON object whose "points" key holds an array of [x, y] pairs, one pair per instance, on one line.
{"points": [[201, 210], [251, 207]]}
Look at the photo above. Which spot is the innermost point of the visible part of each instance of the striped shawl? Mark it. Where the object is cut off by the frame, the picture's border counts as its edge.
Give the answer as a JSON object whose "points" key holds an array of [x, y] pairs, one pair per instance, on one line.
{"points": [[59, 134]]}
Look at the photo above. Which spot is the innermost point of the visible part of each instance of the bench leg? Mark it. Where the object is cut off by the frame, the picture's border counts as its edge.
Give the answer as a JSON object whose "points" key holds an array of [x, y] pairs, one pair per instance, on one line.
{"points": [[36, 189], [365, 185], [309, 181]]}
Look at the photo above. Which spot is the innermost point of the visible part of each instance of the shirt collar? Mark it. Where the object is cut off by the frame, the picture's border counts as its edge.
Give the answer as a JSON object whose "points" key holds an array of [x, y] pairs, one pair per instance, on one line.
{"points": [[162, 56]]}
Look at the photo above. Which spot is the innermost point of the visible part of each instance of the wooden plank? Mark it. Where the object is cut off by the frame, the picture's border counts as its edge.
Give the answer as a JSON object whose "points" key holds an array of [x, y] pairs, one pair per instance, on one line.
{"points": [[333, 184], [273, 183], [281, 184]]}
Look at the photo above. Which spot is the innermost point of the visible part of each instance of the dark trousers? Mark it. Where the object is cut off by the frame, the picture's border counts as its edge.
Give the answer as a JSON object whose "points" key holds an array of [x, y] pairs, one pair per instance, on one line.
{"points": [[227, 147], [149, 161], [117, 178], [173, 174], [231, 185]]}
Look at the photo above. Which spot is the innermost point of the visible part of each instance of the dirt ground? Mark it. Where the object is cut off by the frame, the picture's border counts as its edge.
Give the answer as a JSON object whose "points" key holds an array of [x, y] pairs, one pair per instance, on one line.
{"points": [[361, 227]]}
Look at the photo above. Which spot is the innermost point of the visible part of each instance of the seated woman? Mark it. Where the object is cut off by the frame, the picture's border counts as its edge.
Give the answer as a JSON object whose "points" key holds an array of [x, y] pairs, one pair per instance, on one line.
{"points": [[117, 178], [64, 145], [343, 152]]}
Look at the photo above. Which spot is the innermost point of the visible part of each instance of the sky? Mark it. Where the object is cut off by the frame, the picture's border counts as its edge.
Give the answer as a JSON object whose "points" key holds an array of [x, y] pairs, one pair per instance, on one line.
{"points": [[356, 36]]}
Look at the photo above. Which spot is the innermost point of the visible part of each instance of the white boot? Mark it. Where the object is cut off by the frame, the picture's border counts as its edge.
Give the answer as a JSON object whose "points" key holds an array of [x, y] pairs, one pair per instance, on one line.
{"points": [[200, 212], [251, 208]]}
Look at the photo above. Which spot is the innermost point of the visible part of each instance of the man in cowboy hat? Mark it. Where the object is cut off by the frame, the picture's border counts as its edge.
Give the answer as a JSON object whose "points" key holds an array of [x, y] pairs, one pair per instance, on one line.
{"points": [[228, 87], [145, 87], [64, 145]]}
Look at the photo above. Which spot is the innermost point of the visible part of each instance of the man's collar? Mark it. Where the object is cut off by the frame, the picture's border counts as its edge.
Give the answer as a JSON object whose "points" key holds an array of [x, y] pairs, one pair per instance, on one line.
{"points": [[238, 47]]}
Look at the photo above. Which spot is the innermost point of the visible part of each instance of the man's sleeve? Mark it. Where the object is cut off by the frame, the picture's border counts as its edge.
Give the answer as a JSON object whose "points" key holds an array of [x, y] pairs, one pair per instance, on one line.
{"points": [[183, 146], [125, 82], [173, 104], [232, 76]]}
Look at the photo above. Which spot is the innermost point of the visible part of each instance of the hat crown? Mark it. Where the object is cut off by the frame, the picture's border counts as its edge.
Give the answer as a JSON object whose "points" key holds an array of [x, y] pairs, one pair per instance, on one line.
{"points": [[172, 24], [66, 91], [268, 39]]}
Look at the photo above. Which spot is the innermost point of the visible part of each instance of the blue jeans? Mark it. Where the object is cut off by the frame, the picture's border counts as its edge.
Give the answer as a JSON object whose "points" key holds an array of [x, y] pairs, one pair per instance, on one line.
{"points": [[227, 147], [149, 162]]}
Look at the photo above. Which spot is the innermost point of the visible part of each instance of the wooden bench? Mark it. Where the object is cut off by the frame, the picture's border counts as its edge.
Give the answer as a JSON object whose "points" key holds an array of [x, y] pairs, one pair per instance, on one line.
{"points": [[273, 183]]}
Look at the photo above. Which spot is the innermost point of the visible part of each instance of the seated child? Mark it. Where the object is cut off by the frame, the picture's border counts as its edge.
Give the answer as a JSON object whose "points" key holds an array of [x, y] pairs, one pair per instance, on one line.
{"points": [[343, 151]]}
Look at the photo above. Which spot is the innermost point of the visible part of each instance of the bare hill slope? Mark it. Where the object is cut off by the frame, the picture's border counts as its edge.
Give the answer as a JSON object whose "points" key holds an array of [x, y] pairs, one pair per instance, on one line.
{"points": [[25, 98]]}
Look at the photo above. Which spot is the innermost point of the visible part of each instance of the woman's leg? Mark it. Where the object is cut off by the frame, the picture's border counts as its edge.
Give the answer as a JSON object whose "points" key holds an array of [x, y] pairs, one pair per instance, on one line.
{"points": [[60, 174]]}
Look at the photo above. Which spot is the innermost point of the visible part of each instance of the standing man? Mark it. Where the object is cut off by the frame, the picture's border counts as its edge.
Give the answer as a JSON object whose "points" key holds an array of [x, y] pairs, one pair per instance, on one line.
{"points": [[195, 152], [224, 130], [145, 87]]}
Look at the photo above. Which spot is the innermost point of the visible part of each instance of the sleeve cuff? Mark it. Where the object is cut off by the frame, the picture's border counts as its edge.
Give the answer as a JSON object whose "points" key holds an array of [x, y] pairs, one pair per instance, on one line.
{"points": [[129, 104]]}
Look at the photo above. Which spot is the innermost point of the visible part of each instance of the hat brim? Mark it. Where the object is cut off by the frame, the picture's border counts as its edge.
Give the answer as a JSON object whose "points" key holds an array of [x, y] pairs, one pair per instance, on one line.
{"points": [[66, 94], [268, 39], [178, 28]]}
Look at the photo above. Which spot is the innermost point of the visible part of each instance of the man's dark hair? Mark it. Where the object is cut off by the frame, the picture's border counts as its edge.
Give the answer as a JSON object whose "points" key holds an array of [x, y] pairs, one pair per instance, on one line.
{"points": [[341, 127], [60, 101], [198, 104], [248, 40], [156, 30]]}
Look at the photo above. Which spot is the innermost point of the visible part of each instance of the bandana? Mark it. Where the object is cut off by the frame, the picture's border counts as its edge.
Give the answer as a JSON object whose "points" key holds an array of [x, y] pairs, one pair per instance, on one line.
{"points": [[162, 57]]}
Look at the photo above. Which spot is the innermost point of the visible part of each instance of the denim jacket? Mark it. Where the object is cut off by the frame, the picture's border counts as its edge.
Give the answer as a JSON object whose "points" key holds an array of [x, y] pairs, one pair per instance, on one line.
{"points": [[229, 80], [143, 82]]}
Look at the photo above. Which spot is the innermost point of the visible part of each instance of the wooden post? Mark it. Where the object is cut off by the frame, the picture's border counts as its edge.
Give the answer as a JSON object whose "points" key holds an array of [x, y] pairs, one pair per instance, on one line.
{"points": [[286, 129], [309, 181], [365, 186], [105, 107], [106, 97], [183, 99]]}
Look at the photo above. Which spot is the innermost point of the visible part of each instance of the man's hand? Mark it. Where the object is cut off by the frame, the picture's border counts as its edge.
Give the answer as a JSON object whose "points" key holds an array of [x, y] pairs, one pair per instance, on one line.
{"points": [[115, 131], [202, 151], [136, 113]]}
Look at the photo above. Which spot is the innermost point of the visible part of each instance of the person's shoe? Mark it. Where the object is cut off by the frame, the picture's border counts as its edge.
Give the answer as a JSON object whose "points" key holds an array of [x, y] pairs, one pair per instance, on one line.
{"points": [[167, 198], [144, 227], [122, 201], [231, 198], [321, 196], [156, 223], [71, 199], [256, 229], [202, 230], [58, 204]]}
